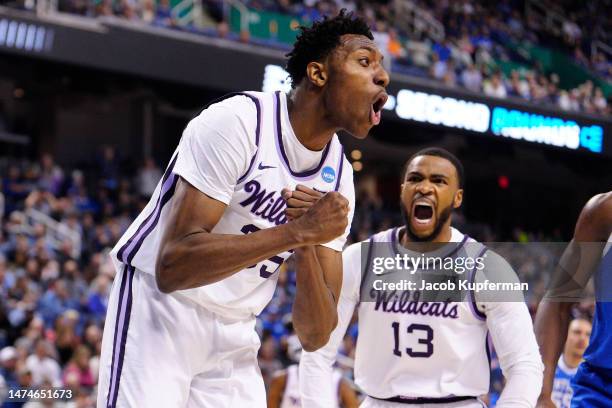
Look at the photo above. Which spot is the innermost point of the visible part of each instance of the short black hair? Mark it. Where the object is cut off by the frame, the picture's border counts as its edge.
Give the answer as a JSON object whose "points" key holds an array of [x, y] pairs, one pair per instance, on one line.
{"points": [[318, 41], [438, 152]]}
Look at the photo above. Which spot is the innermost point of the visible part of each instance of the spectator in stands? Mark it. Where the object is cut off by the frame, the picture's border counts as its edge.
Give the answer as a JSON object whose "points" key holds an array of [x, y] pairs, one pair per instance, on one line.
{"points": [[8, 366], [442, 50], [97, 300], [600, 102], [395, 49], [382, 39], [148, 11], [495, 86], [450, 78], [108, 162], [564, 101], [471, 78], [148, 177], [438, 68], [43, 367], [78, 373], [51, 176]]}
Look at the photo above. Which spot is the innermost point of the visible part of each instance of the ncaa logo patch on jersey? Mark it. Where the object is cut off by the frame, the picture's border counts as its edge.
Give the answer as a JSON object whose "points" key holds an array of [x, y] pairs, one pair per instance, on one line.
{"points": [[328, 174]]}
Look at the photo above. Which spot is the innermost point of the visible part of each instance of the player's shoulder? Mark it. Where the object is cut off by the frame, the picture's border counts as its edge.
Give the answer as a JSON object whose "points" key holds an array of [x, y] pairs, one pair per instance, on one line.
{"points": [[600, 205], [242, 105], [383, 236], [595, 221]]}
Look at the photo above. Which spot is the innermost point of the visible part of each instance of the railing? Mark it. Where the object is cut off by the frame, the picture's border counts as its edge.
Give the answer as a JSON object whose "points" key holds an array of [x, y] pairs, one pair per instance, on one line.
{"points": [[553, 20], [598, 47], [242, 9], [57, 232], [413, 18]]}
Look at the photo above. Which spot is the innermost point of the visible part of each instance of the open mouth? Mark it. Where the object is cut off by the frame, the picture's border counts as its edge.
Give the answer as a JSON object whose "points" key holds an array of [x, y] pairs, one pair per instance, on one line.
{"points": [[423, 212], [376, 108]]}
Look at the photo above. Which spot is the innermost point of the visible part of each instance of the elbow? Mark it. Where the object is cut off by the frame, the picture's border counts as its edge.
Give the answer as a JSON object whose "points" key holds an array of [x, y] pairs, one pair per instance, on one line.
{"points": [[314, 341], [165, 276], [164, 282]]}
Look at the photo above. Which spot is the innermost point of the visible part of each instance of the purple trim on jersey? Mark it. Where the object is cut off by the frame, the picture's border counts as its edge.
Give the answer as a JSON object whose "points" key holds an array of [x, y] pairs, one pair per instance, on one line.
{"points": [[488, 346], [167, 182], [473, 307], [393, 241], [340, 166], [164, 199], [259, 108], [396, 248], [366, 267], [121, 327], [305, 175], [425, 400]]}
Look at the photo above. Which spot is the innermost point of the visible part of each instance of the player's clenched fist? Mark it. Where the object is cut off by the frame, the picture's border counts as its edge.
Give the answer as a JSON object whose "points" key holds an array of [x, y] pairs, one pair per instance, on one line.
{"points": [[299, 200], [321, 219]]}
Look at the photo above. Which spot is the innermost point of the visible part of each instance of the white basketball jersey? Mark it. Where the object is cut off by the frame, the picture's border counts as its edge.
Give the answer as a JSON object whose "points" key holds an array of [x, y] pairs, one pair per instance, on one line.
{"points": [[255, 203], [421, 349], [291, 395]]}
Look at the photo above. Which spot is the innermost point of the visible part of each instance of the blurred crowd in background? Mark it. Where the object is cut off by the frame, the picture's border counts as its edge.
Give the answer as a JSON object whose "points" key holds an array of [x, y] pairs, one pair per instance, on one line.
{"points": [[472, 39], [58, 225]]}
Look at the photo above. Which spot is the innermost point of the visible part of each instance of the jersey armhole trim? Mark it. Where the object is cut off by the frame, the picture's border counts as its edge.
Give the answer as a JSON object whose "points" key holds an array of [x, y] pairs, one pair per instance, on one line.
{"points": [[365, 267], [473, 306]]}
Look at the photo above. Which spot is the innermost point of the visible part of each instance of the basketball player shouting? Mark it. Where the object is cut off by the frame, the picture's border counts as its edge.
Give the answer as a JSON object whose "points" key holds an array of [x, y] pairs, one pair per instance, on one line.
{"points": [[201, 260], [423, 352]]}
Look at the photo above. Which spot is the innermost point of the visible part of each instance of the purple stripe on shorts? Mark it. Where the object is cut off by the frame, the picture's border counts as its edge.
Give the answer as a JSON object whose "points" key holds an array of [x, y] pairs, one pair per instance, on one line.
{"points": [[122, 340], [305, 175], [120, 317], [473, 306]]}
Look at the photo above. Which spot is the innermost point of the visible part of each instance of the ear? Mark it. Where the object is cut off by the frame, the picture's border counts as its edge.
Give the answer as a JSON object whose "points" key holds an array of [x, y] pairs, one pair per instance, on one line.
{"points": [[458, 198], [316, 73]]}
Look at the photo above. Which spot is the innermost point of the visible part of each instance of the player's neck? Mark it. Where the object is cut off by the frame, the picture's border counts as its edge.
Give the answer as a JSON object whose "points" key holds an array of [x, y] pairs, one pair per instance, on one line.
{"points": [[571, 360], [308, 120], [444, 236]]}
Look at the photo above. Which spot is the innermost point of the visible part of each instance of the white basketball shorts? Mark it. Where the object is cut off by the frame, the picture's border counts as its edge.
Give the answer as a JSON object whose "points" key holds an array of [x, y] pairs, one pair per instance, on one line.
{"points": [[161, 350]]}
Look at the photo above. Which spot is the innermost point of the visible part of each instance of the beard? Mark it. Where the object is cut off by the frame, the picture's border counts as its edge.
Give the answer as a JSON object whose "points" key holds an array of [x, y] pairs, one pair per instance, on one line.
{"points": [[441, 220]]}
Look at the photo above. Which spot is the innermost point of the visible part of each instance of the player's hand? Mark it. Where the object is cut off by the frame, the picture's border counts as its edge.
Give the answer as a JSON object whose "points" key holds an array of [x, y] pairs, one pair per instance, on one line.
{"points": [[545, 402], [323, 220], [299, 200]]}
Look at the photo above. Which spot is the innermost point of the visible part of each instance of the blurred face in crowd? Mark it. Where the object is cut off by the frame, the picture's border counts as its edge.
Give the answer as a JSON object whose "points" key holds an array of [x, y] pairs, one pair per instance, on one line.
{"points": [[429, 194], [578, 337], [353, 81]]}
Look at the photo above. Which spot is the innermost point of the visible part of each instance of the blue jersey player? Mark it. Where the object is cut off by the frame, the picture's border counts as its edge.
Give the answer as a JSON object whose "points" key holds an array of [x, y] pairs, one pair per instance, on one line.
{"points": [[573, 353], [588, 254]]}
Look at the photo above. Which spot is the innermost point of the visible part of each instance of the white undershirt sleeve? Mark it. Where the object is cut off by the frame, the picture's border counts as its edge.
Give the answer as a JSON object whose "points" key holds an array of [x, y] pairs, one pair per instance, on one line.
{"points": [[315, 375]]}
